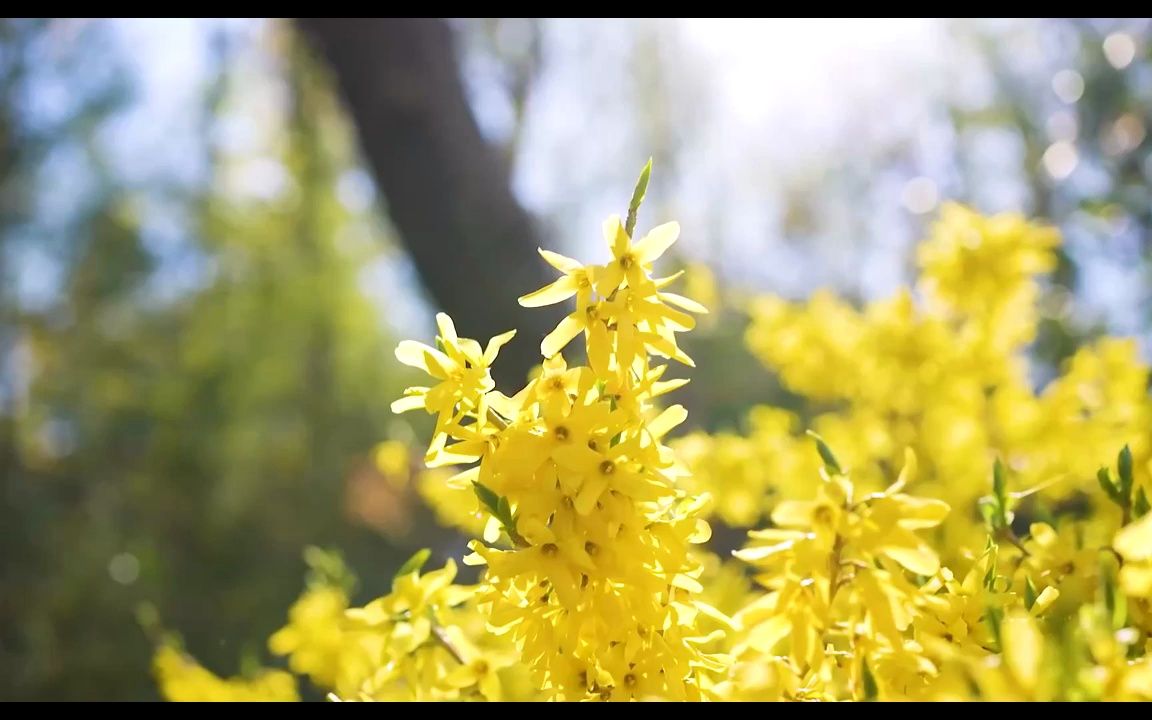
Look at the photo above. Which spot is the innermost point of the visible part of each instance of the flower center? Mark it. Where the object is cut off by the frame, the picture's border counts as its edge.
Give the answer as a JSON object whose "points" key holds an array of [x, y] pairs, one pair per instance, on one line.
{"points": [[607, 467], [823, 515], [549, 549]]}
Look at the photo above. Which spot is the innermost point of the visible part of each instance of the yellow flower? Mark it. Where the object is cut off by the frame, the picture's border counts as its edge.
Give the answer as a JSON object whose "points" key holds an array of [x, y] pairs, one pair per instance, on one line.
{"points": [[182, 679], [632, 263], [314, 637], [462, 368]]}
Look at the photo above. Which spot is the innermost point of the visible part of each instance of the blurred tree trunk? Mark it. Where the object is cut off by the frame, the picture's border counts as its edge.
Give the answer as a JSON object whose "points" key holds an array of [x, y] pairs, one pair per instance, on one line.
{"points": [[446, 189]]}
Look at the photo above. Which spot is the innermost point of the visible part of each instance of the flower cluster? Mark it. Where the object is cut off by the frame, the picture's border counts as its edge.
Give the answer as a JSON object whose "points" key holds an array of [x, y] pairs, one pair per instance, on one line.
{"points": [[971, 537], [588, 538], [942, 368], [182, 679]]}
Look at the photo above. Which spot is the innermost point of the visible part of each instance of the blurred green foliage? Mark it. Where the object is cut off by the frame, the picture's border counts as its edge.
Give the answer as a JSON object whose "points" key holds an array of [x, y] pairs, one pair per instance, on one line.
{"points": [[180, 452]]}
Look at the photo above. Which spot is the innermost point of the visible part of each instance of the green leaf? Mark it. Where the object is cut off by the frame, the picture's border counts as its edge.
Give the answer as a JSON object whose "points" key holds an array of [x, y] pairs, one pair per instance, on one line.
{"points": [[1029, 593], [993, 615], [638, 197], [999, 483], [1105, 479], [499, 508], [1124, 467], [413, 564], [826, 455], [989, 512], [1141, 506], [326, 567], [990, 574], [504, 511], [871, 692], [488, 498]]}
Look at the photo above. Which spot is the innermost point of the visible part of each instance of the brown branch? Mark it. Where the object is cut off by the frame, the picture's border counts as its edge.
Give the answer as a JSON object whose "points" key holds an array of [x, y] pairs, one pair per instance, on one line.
{"points": [[446, 188]]}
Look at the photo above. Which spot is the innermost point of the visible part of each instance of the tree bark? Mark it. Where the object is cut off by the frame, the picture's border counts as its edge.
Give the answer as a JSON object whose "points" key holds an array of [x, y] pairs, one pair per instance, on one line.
{"points": [[446, 189]]}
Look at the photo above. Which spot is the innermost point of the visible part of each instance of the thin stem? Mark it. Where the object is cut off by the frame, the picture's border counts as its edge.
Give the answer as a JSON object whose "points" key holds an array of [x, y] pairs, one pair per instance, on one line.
{"points": [[442, 639]]}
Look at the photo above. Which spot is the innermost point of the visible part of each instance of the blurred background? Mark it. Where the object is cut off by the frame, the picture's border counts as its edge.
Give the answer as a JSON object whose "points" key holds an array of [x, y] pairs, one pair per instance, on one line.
{"points": [[212, 233]]}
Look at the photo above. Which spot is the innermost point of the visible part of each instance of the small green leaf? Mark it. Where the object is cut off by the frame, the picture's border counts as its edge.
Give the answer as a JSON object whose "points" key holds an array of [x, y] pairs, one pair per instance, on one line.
{"points": [[1105, 479], [638, 197], [871, 692], [414, 563], [504, 511], [1124, 467], [989, 512], [993, 615], [826, 455], [1029, 593], [488, 498], [990, 574], [1141, 506], [999, 483], [499, 508]]}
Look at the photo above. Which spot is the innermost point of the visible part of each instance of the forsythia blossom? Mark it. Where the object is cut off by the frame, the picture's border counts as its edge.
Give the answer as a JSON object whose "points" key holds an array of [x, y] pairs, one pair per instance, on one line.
{"points": [[956, 533]]}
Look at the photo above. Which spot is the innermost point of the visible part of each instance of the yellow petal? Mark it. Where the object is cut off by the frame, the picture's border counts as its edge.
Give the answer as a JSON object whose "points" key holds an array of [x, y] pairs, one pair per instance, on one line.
{"points": [[556, 340], [1137, 580], [1045, 599], [599, 348], [495, 344], [1043, 534], [579, 458], [1134, 542], [447, 328], [460, 677], [552, 293], [562, 263], [664, 282], [658, 239], [492, 530], [463, 480], [615, 236], [590, 492], [684, 582], [911, 552], [665, 421], [667, 386], [682, 302], [408, 402], [907, 473], [793, 513], [1023, 647], [756, 554], [917, 513], [766, 635], [417, 355], [609, 278]]}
